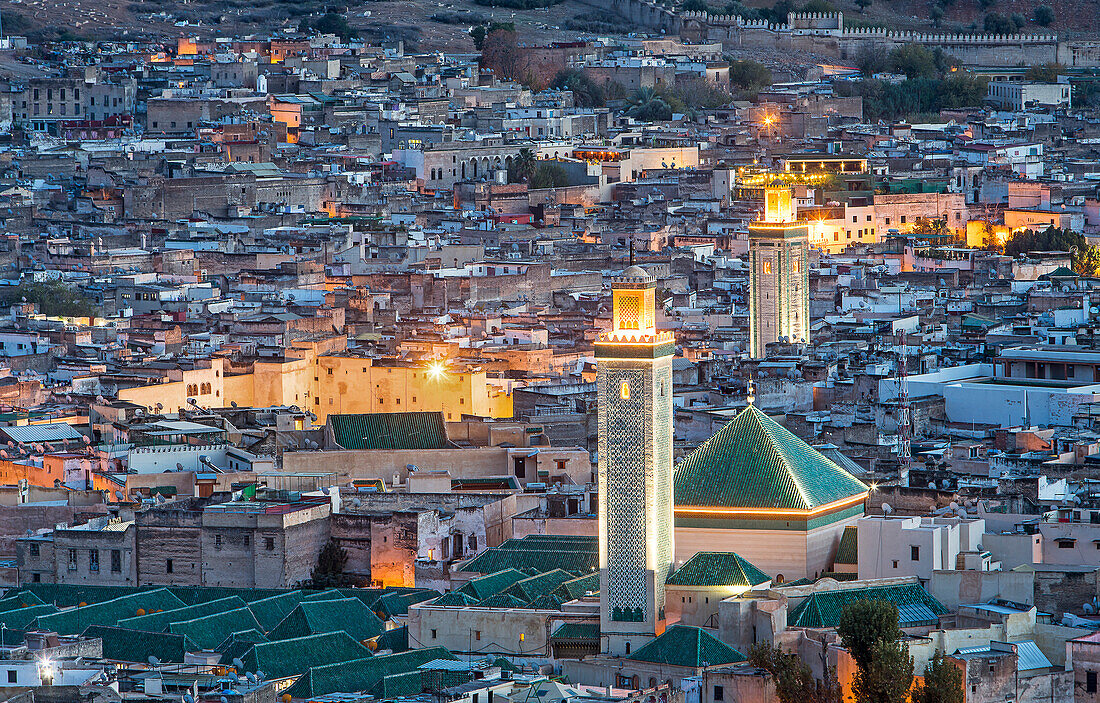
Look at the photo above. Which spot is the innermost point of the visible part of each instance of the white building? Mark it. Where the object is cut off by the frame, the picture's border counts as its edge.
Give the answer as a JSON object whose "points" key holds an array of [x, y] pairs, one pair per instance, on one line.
{"points": [[1010, 95], [916, 546]]}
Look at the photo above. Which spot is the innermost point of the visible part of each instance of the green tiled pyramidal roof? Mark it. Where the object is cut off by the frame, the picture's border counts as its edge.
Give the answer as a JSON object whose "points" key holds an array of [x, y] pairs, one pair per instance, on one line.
{"points": [[210, 631], [718, 569], [76, 620], [822, 609], [848, 550], [159, 622], [362, 674], [296, 656], [127, 645], [754, 462], [395, 640], [20, 600], [348, 615], [683, 645], [409, 430]]}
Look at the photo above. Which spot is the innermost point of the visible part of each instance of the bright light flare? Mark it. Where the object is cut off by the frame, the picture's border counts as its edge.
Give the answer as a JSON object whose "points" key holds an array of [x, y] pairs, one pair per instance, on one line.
{"points": [[436, 370]]}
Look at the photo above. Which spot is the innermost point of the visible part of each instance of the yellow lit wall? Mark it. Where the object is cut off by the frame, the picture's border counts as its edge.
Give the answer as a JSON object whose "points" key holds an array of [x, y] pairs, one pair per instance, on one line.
{"points": [[326, 384]]}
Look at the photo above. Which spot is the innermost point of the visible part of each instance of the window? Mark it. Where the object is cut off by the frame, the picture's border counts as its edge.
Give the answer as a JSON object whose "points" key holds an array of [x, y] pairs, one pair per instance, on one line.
{"points": [[624, 390], [72, 560], [472, 541], [36, 578], [12, 676], [269, 544], [477, 635], [168, 566], [34, 550], [217, 541], [914, 552], [93, 560], [1065, 543], [433, 634], [1090, 681], [718, 693], [895, 563], [767, 267], [116, 561]]}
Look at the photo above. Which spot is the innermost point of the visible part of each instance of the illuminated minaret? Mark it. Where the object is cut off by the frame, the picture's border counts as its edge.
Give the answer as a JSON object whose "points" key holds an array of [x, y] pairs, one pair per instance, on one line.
{"points": [[634, 384], [779, 279]]}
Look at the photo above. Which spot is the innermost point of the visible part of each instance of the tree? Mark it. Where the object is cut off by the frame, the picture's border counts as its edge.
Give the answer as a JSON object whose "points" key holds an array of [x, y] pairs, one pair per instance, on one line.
{"points": [[500, 52], [477, 33], [694, 6], [523, 166], [647, 105], [936, 15], [749, 74], [943, 683], [330, 566], [1044, 73], [998, 24], [335, 23], [54, 299], [549, 175], [794, 681], [887, 676], [865, 623], [863, 4], [1085, 258], [1043, 15], [585, 91]]}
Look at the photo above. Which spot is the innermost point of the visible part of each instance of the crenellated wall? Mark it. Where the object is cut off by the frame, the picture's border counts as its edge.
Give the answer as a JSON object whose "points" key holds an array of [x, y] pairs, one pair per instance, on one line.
{"points": [[825, 33]]}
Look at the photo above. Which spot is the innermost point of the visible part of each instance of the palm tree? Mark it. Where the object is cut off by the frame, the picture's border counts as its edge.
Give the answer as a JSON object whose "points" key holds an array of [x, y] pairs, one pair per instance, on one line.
{"points": [[646, 104], [523, 166]]}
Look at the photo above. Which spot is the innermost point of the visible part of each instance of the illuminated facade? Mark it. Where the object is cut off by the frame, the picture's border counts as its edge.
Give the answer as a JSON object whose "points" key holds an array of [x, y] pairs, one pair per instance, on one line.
{"points": [[634, 384], [779, 279]]}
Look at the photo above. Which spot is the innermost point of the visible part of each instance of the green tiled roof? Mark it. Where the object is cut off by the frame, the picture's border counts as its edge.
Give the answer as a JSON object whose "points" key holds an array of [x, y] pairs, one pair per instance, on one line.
{"points": [[754, 462], [542, 584], [681, 645], [158, 622], [126, 645], [64, 595], [579, 587], [76, 620], [410, 683], [847, 552], [576, 557], [211, 630], [395, 640], [201, 594], [718, 569], [455, 598], [362, 674], [547, 601], [19, 600], [394, 604], [822, 609], [577, 631], [296, 656], [492, 584], [23, 618], [501, 600], [238, 643], [270, 611], [314, 617], [413, 430]]}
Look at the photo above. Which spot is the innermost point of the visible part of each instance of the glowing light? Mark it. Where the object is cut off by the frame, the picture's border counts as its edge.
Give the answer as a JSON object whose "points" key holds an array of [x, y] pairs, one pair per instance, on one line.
{"points": [[436, 370], [723, 512], [768, 120]]}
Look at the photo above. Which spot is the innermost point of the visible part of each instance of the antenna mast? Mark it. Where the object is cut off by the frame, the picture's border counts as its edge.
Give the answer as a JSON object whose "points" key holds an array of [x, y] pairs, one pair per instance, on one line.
{"points": [[905, 428]]}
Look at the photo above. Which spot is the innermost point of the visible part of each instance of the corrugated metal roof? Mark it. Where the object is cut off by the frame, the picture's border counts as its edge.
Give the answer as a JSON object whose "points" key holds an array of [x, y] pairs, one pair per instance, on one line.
{"points": [[54, 432], [411, 430], [754, 462]]}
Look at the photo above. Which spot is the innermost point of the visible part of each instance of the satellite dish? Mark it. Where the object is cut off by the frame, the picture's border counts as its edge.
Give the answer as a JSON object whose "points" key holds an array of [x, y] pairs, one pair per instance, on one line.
{"points": [[153, 660], [239, 664], [887, 508], [179, 466], [259, 675]]}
